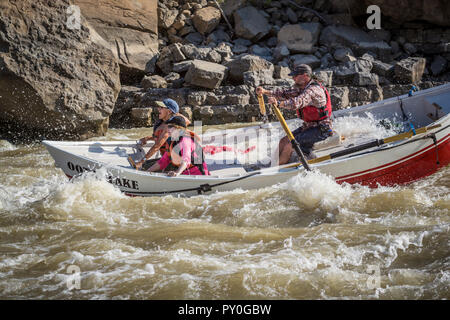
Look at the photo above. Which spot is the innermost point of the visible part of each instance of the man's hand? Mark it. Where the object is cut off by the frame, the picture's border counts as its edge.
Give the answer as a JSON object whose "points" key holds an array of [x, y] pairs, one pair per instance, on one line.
{"points": [[172, 174], [272, 100], [139, 165], [261, 90]]}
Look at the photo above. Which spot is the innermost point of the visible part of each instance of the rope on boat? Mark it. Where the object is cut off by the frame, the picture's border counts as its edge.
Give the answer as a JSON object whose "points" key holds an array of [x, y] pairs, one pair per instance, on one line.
{"points": [[201, 189]]}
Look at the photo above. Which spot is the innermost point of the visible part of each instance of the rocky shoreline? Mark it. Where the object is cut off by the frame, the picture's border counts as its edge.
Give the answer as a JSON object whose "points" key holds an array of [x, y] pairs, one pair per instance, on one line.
{"points": [[207, 55], [265, 41]]}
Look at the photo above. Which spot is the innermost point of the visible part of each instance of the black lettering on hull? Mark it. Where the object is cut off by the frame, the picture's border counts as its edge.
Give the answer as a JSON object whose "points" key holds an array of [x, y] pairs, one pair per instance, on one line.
{"points": [[120, 182]]}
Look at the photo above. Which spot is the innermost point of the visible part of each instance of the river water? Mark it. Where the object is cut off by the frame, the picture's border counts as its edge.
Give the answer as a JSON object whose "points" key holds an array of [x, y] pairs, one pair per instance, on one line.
{"points": [[309, 238]]}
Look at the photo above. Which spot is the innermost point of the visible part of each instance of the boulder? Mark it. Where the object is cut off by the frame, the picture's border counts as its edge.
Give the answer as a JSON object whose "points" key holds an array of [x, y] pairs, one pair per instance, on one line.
{"points": [[187, 112], [339, 97], [181, 66], [141, 117], [382, 69], [165, 60], [149, 97], [154, 81], [129, 98], [250, 23], [166, 17], [340, 18], [344, 74], [281, 72], [327, 61], [359, 41], [171, 77], [205, 74], [129, 28], [218, 36], [55, 82], [197, 98], [344, 55], [195, 38], [325, 77], [177, 52], [300, 38], [358, 95], [206, 19], [193, 52], [438, 65], [260, 51], [230, 6], [365, 79], [280, 52], [409, 70], [239, 49], [220, 114], [224, 50], [258, 78], [244, 63], [308, 59]]}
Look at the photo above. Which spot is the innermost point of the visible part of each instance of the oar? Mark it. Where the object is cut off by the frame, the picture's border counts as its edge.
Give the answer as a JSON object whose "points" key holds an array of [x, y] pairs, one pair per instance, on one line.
{"points": [[289, 134], [262, 108], [375, 143]]}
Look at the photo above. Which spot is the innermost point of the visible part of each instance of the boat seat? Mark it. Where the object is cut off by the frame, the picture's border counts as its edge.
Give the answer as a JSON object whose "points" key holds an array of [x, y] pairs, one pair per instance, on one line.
{"points": [[331, 142]]}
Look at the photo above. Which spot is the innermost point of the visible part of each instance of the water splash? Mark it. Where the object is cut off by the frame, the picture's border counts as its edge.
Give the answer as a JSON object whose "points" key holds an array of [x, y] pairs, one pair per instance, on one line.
{"points": [[315, 189], [7, 146]]}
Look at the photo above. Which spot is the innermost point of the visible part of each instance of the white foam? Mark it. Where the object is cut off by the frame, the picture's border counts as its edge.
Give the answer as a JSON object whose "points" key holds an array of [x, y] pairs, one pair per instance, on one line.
{"points": [[6, 146], [315, 189]]}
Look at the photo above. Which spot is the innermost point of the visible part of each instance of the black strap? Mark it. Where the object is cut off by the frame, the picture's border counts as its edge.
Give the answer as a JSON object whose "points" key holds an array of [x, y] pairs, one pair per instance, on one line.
{"points": [[202, 188]]}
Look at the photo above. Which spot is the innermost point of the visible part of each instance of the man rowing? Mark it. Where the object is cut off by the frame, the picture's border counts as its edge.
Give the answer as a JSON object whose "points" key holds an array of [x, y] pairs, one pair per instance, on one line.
{"points": [[312, 102]]}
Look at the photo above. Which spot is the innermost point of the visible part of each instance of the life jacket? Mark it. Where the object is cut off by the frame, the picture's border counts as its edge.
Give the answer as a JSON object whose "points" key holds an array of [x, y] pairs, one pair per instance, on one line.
{"points": [[175, 155], [157, 133], [312, 113]]}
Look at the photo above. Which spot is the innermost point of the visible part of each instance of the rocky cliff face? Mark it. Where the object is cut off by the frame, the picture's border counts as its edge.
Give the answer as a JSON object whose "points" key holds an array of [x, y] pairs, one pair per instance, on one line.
{"points": [[59, 82], [263, 40], [129, 28], [55, 82]]}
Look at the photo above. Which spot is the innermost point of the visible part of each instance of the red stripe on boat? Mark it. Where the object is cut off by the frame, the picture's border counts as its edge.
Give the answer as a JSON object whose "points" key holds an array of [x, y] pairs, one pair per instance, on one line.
{"points": [[415, 168]]}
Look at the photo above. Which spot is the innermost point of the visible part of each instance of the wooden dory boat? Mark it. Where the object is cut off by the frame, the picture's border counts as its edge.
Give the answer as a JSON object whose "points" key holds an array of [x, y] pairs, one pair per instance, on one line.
{"points": [[401, 159]]}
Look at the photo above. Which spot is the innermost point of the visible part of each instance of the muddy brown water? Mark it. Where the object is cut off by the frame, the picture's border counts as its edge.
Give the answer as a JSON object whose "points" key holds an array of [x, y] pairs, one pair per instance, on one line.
{"points": [[309, 238]]}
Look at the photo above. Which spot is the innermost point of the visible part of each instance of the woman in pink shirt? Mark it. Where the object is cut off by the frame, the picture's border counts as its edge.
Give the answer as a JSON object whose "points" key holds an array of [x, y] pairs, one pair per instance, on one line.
{"points": [[185, 155]]}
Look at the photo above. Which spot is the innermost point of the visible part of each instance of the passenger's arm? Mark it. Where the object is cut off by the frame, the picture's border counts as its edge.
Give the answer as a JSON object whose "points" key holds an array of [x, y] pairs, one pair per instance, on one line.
{"points": [[155, 148], [179, 171]]}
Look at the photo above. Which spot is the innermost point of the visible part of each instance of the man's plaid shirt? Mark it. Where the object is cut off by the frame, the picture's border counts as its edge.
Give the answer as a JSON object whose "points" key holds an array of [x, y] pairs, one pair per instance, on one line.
{"points": [[296, 98]]}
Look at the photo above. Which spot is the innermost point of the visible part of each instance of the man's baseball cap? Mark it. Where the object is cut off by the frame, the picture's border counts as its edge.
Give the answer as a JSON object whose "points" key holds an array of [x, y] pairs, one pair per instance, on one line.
{"points": [[168, 103], [301, 69], [176, 121]]}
